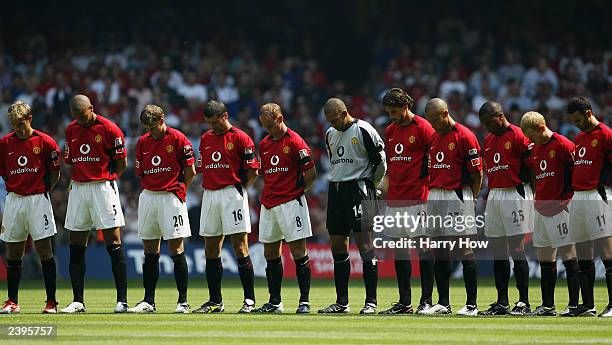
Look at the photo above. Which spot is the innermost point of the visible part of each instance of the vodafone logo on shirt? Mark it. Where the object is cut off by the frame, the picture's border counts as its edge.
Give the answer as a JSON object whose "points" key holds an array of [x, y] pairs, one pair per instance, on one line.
{"points": [[440, 158], [582, 161], [156, 161], [216, 157], [22, 161], [544, 174], [274, 160], [399, 149], [85, 149]]}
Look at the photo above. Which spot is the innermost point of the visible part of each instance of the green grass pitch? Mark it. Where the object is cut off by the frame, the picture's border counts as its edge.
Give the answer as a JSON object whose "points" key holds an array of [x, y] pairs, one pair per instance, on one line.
{"points": [[100, 326]]}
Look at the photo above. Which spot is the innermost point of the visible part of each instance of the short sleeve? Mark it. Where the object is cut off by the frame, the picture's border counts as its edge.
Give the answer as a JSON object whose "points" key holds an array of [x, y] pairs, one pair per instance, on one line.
{"points": [[185, 151], [52, 153], [115, 143], [304, 154], [471, 150], [247, 152]]}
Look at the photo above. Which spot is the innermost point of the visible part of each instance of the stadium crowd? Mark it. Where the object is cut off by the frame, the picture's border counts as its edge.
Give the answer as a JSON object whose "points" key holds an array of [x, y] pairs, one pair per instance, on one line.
{"points": [[123, 74]]}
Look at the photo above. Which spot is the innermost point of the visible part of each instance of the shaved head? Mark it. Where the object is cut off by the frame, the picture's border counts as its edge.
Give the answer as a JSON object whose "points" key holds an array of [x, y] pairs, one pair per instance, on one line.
{"points": [[334, 105], [490, 109], [436, 105], [80, 103]]}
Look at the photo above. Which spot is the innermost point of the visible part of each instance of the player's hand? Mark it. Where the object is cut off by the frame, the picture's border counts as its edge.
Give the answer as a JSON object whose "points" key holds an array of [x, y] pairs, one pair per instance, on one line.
{"points": [[379, 194]]}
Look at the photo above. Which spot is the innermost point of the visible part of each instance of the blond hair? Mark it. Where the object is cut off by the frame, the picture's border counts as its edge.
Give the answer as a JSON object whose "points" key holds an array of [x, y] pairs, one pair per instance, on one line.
{"points": [[270, 109], [532, 120], [18, 111], [151, 114]]}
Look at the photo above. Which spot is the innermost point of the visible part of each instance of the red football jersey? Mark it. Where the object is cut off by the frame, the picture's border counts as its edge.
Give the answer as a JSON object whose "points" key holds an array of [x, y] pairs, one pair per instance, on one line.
{"points": [[553, 163], [453, 157], [406, 150], [224, 159], [593, 159], [505, 157], [24, 164], [91, 150], [161, 163], [283, 162]]}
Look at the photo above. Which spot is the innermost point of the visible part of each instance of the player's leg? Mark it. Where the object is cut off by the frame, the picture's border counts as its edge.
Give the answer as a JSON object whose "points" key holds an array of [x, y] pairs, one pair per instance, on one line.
{"points": [[214, 274], [274, 277], [363, 239], [303, 273], [150, 275], [44, 248], [603, 247], [585, 252], [245, 270], [112, 240], [501, 272], [426, 268], [14, 256], [403, 273], [470, 279], [77, 266], [548, 267], [181, 272], [516, 246], [572, 272]]}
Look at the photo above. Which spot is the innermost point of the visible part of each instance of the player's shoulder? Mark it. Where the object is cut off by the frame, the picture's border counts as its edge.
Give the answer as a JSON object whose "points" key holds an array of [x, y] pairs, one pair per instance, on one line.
{"points": [[294, 136], [239, 133], [563, 140], [144, 137], [71, 125], [176, 133], [107, 123], [464, 132], [45, 137]]}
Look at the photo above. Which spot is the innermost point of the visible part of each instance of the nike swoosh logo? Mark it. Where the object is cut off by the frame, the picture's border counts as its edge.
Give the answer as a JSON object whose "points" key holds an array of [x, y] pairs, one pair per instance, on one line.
{"points": [[487, 149], [73, 140], [207, 147], [145, 153], [390, 139], [10, 153], [265, 153]]}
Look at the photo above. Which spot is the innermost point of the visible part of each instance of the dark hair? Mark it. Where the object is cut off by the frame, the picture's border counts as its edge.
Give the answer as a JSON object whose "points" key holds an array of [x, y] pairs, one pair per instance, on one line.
{"points": [[397, 97], [214, 108], [580, 104]]}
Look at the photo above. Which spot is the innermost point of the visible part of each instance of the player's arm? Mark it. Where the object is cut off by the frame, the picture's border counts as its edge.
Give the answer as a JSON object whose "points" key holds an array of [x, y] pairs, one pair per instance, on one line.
{"points": [[120, 164], [376, 154], [310, 176], [476, 178], [189, 174], [251, 175]]}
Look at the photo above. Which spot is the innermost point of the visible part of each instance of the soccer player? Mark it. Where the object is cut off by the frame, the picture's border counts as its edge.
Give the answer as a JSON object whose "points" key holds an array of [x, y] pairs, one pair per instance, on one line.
{"points": [[509, 211], [228, 165], [358, 165], [30, 167], [455, 179], [407, 142], [95, 149], [591, 210], [288, 171], [164, 161], [552, 162]]}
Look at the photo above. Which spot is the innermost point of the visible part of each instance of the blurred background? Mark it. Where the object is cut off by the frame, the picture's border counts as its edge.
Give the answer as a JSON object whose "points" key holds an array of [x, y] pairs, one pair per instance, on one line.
{"points": [[123, 55]]}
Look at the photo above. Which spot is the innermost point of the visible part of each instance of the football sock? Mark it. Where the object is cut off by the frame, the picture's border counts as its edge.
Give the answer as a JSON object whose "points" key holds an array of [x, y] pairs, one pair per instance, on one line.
{"points": [[501, 271], [214, 273], [247, 277], [548, 282], [342, 272], [521, 274], [13, 277], [426, 268], [49, 272], [608, 265], [442, 272], [150, 275], [77, 271], [403, 271], [470, 278], [303, 273], [587, 282], [572, 271], [274, 275], [370, 275], [181, 276], [119, 270]]}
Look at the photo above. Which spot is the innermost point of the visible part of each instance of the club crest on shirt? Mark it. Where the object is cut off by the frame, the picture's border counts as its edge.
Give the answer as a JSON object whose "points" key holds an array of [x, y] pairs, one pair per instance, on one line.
{"points": [[229, 146], [551, 153], [507, 145], [594, 142], [286, 149], [98, 138], [169, 148], [354, 141], [451, 146], [411, 139], [36, 150]]}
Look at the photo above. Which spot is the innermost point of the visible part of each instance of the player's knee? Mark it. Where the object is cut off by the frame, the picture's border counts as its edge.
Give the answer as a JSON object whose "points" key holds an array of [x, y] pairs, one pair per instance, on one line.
{"points": [[367, 255], [518, 254]]}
